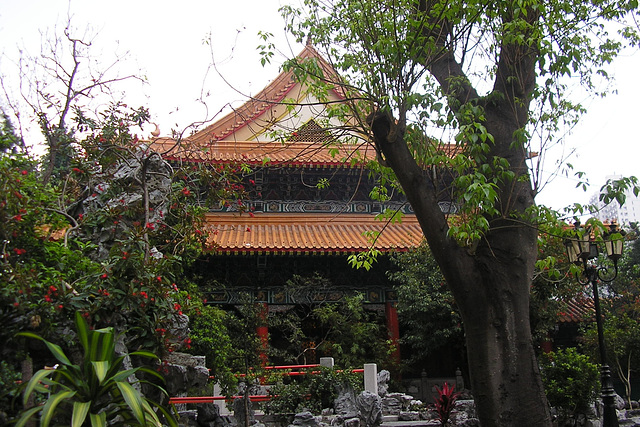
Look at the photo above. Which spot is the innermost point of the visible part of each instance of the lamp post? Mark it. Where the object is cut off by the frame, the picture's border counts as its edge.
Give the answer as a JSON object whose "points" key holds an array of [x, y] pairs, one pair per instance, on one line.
{"points": [[583, 251]]}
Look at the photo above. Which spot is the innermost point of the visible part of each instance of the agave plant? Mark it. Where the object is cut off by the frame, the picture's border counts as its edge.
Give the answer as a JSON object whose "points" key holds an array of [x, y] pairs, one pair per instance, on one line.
{"points": [[95, 393]]}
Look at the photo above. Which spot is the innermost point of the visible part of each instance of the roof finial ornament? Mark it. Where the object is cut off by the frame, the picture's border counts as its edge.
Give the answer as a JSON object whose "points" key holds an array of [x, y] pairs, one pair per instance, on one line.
{"points": [[156, 132]]}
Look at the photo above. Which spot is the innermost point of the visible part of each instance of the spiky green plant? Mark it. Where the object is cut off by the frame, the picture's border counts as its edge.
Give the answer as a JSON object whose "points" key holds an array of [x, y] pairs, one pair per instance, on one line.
{"points": [[97, 392]]}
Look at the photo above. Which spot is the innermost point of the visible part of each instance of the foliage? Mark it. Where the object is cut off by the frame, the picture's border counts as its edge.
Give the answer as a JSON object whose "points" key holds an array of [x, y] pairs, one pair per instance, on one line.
{"points": [[622, 340], [471, 88], [340, 328], [426, 309], [92, 242], [553, 285], [101, 225], [445, 402], [571, 381], [210, 337], [9, 390], [313, 391], [98, 389]]}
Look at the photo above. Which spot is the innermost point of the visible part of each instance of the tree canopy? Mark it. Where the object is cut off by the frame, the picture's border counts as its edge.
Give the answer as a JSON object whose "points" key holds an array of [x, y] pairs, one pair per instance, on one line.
{"points": [[477, 90]]}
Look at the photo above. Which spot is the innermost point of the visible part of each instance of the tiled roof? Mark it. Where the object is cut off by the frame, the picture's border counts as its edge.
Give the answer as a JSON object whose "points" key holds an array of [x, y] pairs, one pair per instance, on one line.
{"points": [[307, 233], [271, 95], [253, 152], [578, 310]]}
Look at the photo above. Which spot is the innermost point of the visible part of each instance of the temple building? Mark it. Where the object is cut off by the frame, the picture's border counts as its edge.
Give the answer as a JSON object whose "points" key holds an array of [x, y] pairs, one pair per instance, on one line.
{"points": [[309, 206]]}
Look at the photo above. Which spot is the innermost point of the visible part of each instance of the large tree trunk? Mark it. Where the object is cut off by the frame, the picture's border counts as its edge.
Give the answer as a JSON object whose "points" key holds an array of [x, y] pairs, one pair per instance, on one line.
{"points": [[495, 307], [490, 282]]}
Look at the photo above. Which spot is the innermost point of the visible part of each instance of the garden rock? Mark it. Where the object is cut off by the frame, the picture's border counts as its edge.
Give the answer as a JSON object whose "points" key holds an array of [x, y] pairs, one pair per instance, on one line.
{"points": [[370, 409], [305, 419], [209, 416], [384, 377], [391, 406], [176, 379], [345, 404], [409, 416], [240, 414], [352, 422]]}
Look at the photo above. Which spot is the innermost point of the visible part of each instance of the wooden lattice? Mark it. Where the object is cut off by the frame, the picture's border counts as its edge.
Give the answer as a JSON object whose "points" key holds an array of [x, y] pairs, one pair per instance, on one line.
{"points": [[311, 131]]}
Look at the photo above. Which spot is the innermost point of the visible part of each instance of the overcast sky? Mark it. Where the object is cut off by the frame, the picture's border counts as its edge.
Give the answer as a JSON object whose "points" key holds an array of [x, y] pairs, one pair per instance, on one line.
{"points": [[165, 42]]}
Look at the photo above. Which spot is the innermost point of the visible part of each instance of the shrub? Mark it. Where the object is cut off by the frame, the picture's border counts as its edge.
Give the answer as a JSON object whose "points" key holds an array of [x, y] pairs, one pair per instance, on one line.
{"points": [[9, 378], [313, 391], [570, 380]]}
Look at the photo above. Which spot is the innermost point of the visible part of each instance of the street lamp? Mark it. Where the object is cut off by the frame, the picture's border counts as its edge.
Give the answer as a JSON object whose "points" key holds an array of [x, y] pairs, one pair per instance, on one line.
{"points": [[583, 251]]}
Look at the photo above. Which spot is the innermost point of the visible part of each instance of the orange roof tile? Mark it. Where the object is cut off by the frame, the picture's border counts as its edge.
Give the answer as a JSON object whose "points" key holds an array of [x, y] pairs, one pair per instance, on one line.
{"points": [[253, 152], [308, 233], [578, 310]]}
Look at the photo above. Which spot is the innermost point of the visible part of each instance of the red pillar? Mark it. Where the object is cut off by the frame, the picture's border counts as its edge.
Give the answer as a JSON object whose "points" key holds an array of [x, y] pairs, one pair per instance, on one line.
{"points": [[393, 328], [547, 345], [263, 332]]}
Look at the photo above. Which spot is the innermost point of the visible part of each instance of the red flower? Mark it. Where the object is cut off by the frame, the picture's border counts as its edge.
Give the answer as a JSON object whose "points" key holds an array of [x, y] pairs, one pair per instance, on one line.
{"points": [[159, 279], [24, 172], [186, 191], [18, 217], [104, 276], [76, 170], [16, 304], [19, 251], [150, 226]]}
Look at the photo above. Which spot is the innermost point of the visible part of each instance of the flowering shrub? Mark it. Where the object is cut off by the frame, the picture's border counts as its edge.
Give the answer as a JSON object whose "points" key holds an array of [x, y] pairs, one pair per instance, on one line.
{"points": [[107, 247]]}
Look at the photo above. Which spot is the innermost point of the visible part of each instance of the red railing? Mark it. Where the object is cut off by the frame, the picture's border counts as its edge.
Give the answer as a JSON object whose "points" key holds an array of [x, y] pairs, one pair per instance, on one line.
{"points": [[211, 399], [253, 398]]}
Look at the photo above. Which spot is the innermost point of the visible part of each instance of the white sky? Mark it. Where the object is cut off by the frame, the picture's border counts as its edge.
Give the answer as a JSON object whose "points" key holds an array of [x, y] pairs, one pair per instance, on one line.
{"points": [[165, 40]]}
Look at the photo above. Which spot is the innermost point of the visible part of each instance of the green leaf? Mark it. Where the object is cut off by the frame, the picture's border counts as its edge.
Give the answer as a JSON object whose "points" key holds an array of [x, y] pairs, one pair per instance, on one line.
{"points": [[55, 349], [49, 408], [144, 354], [83, 331], [80, 411], [33, 383], [101, 367], [27, 415], [133, 399], [98, 420]]}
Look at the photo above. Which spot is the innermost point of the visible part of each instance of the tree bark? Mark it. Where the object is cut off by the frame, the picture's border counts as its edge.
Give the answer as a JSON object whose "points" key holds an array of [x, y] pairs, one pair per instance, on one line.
{"points": [[490, 283]]}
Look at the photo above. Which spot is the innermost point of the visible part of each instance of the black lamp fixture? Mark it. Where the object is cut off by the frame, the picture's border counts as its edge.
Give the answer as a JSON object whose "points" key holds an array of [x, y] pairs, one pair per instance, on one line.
{"points": [[583, 251]]}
